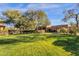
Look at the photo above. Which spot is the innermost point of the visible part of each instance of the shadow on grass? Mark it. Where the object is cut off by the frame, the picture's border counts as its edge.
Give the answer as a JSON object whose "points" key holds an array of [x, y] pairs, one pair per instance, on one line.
{"points": [[59, 35], [29, 38], [70, 44], [8, 41], [25, 39]]}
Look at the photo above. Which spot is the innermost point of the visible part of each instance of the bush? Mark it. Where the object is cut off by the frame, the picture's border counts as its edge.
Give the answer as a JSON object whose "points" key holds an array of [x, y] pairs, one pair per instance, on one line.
{"points": [[29, 31], [40, 31], [73, 30], [62, 30]]}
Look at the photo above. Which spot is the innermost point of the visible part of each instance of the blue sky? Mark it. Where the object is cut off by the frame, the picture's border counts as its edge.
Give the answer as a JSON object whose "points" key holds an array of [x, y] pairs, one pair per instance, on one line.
{"points": [[53, 10]]}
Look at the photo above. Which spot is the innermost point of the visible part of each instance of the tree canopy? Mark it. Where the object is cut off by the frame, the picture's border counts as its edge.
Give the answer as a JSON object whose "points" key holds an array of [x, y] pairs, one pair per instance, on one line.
{"points": [[72, 13], [30, 20]]}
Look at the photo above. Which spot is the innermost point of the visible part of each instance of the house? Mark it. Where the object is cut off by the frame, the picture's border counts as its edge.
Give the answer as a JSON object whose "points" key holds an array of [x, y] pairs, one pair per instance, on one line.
{"points": [[3, 28], [55, 28]]}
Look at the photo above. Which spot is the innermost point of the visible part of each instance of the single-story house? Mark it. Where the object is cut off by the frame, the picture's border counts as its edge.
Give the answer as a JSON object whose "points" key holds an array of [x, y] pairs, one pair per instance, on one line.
{"points": [[55, 28]]}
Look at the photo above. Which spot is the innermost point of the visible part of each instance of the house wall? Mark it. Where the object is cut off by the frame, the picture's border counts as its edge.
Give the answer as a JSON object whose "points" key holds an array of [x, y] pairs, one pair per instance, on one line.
{"points": [[3, 30]]}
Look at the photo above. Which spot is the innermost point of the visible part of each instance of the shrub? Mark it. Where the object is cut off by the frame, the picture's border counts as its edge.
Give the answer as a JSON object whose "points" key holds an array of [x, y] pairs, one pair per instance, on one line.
{"points": [[62, 30], [73, 30]]}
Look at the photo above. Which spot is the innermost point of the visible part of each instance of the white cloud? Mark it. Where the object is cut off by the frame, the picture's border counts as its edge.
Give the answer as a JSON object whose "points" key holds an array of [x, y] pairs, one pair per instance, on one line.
{"points": [[42, 6], [5, 6]]}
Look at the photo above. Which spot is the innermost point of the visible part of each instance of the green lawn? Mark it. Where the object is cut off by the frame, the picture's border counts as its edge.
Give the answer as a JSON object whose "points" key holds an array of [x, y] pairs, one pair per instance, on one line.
{"points": [[39, 45]]}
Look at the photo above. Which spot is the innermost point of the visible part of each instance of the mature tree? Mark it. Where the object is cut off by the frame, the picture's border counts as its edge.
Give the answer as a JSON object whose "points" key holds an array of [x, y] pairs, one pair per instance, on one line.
{"points": [[42, 18], [31, 16], [16, 18], [72, 13], [38, 17], [29, 20]]}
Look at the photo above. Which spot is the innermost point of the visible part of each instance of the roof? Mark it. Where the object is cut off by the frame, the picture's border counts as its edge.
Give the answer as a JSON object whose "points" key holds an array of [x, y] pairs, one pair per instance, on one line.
{"points": [[58, 26], [2, 25]]}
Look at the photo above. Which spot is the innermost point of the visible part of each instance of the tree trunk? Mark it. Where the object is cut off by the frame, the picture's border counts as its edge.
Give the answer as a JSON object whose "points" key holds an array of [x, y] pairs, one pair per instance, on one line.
{"points": [[77, 21], [77, 24], [36, 26]]}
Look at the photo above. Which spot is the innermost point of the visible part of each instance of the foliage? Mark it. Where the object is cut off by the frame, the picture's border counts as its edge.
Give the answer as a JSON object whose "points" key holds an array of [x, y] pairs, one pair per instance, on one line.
{"points": [[71, 13], [63, 30], [29, 20], [38, 17], [73, 30], [12, 16]]}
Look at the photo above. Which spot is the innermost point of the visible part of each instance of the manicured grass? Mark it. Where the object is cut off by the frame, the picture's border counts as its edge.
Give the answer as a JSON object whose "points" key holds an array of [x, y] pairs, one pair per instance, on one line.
{"points": [[34, 45]]}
